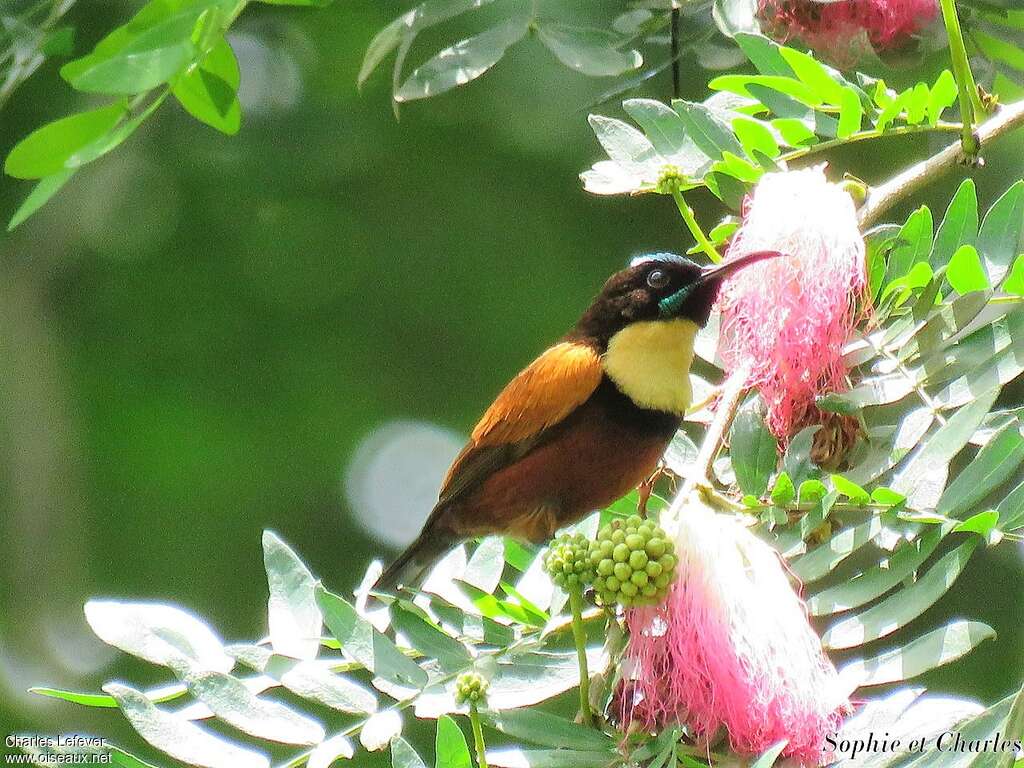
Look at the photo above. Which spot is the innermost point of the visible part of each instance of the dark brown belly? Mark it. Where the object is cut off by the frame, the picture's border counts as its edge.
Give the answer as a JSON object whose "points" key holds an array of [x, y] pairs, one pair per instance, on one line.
{"points": [[598, 454]]}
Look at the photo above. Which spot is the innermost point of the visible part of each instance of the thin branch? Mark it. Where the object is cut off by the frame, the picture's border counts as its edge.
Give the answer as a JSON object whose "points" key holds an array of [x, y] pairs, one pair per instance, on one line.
{"points": [[874, 133], [880, 199], [695, 229]]}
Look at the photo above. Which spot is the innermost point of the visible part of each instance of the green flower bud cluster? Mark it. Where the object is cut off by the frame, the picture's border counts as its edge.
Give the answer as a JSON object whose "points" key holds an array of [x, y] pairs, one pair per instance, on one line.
{"points": [[670, 179], [470, 688], [635, 562], [567, 561]]}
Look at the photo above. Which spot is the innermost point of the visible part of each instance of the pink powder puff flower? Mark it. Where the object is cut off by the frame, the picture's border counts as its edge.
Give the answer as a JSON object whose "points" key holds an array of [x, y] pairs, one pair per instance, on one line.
{"points": [[787, 320], [843, 29], [731, 646]]}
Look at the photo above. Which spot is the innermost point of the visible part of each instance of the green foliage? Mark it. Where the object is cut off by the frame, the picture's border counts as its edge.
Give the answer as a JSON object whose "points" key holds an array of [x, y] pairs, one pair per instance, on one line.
{"points": [[933, 475], [170, 47], [794, 107]]}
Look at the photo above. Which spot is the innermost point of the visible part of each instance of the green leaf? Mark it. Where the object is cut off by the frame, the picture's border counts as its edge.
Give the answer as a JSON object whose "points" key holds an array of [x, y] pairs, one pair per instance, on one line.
{"points": [[428, 639], [231, 701], [364, 644], [295, 620], [985, 726], [770, 755], [850, 490], [923, 479], [813, 74], [903, 606], [1005, 365], [1011, 509], [588, 50], [662, 125], [548, 730], [486, 565], [888, 496], [755, 137], [983, 523], [812, 490], [403, 30], [965, 273], [764, 54], [995, 463], [47, 187], [152, 48], [917, 104], [753, 450], [160, 634], [494, 608], [913, 244], [60, 41], [880, 578], [797, 460], [999, 241], [179, 738], [530, 678], [624, 144], [381, 729], [943, 95], [794, 132], [328, 752], [920, 655], [404, 756], [104, 701], [308, 680], [462, 62], [959, 226], [46, 151], [709, 132], [851, 114], [450, 748], [115, 136], [304, 3], [1014, 282], [209, 92], [821, 561], [784, 491]]}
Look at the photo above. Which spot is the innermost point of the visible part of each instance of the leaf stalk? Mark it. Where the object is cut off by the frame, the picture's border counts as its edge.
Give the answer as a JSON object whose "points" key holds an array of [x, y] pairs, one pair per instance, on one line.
{"points": [[579, 635], [478, 736]]}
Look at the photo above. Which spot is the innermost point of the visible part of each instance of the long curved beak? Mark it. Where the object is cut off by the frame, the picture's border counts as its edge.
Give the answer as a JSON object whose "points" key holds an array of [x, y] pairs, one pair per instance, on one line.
{"points": [[718, 272]]}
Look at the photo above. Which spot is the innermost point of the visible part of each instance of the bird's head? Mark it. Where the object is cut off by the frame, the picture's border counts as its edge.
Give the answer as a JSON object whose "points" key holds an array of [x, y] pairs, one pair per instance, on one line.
{"points": [[660, 286]]}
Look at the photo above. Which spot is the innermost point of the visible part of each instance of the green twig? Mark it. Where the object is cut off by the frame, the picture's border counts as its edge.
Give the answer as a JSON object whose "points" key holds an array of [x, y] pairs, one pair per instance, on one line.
{"points": [[900, 130], [580, 636], [703, 243], [971, 108], [478, 736]]}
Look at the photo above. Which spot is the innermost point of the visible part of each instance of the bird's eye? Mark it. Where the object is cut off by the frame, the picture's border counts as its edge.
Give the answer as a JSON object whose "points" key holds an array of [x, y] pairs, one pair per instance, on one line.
{"points": [[658, 279]]}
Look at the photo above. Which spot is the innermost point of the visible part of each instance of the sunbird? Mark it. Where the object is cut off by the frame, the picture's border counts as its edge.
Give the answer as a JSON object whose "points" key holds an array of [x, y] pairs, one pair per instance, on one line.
{"points": [[584, 423]]}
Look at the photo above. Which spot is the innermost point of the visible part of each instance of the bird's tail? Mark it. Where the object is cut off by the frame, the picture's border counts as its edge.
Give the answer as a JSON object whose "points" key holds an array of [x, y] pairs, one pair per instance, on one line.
{"points": [[412, 565]]}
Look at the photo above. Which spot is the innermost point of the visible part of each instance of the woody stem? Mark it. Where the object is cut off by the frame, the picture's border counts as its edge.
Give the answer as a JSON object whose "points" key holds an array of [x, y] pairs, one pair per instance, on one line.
{"points": [[732, 393]]}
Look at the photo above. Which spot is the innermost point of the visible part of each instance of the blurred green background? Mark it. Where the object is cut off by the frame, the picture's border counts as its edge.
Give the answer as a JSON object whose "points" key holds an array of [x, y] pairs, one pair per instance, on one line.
{"points": [[201, 333]]}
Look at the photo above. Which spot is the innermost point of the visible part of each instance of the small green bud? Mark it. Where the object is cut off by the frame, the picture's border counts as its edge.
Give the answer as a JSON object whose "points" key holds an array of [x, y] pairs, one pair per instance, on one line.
{"points": [[670, 179], [470, 688]]}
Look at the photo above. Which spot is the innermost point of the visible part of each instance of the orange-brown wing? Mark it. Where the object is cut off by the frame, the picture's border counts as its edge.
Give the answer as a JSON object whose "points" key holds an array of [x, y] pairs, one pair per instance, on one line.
{"points": [[543, 394]]}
